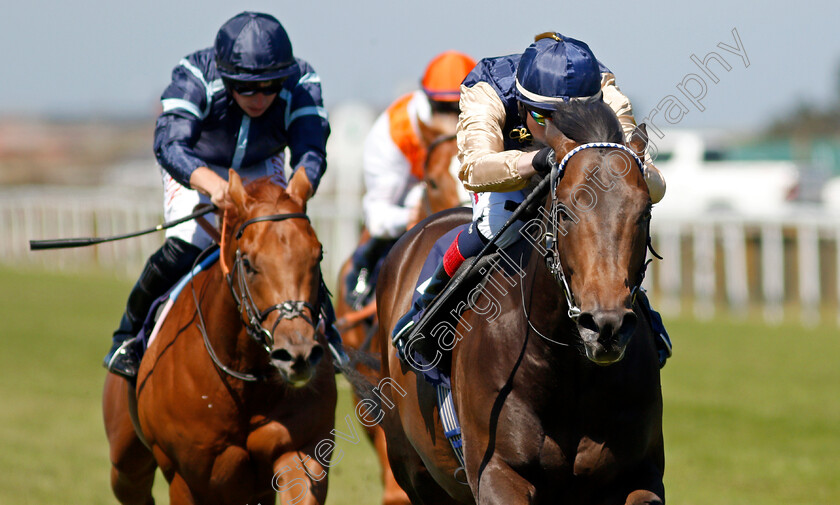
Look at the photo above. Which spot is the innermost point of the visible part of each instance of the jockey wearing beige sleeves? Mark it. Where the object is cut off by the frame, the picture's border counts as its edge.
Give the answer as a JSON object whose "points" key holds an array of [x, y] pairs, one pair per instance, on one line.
{"points": [[487, 166], [505, 103]]}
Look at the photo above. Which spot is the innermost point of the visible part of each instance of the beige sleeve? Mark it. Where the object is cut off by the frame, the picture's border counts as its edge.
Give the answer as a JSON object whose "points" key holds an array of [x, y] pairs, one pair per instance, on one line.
{"points": [[622, 107], [619, 103], [485, 165]]}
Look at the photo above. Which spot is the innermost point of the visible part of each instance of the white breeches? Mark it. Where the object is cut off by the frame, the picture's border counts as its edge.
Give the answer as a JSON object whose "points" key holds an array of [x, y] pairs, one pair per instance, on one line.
{"points": [[490, 214], [179, 201]]}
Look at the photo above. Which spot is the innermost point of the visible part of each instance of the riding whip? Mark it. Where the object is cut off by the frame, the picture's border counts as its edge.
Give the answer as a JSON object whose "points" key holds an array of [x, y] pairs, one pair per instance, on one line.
{"points": [[454, 283], [64, 243]]}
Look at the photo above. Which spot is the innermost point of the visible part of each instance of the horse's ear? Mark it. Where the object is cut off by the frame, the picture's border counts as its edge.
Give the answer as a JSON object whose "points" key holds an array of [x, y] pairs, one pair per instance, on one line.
{"points": [[236, 190], [238, 196], [300, 189], [558, 141], [638, 140]]}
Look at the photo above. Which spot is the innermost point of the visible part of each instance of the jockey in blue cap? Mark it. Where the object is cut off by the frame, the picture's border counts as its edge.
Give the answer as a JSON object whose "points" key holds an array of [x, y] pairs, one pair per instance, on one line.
{"points": [[237, 105], [505, 103]]}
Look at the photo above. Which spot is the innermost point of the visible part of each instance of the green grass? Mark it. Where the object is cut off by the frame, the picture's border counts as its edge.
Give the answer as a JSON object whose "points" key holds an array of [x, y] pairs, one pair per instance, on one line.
{"points": [[752, 413]]}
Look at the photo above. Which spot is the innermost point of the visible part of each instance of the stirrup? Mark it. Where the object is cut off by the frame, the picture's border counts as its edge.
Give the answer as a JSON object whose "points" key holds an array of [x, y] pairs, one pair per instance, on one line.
{"points": [[361, 291], [399, 339], [336, 347], [663, 348], [340, 358], [124, 361]]}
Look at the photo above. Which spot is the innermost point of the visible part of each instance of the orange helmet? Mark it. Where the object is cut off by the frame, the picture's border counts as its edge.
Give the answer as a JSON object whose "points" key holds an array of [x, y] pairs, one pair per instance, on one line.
{"points": [[442, 80]]}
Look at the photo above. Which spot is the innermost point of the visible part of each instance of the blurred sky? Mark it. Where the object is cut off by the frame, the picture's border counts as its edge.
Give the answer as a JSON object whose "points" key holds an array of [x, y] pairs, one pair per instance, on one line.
{"points": [[113, 58]]}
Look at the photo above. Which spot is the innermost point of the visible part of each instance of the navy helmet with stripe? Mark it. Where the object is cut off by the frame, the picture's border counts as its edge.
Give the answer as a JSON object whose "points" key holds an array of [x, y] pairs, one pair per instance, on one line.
{"points": [[252, 46], [556, 69]]}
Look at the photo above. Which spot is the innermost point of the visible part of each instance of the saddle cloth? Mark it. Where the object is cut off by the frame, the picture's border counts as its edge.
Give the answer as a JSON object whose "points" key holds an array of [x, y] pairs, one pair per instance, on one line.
{"points": [[160, 308]]}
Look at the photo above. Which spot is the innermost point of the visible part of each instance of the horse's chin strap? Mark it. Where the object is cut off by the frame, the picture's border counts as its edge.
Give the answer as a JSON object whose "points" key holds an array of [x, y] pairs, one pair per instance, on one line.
{"points": [[552, 256]]}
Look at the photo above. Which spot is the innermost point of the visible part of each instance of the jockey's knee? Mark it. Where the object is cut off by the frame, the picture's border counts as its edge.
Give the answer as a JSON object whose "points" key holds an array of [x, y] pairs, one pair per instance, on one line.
{"points": [[489, 228]]}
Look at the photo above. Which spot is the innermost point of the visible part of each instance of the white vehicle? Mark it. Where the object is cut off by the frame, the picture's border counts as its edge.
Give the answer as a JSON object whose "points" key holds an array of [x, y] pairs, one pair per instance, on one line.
{"points": [[700, 179]]}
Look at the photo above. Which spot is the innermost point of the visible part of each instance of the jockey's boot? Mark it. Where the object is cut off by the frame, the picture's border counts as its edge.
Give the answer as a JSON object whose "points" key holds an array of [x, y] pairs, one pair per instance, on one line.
{"points": [[359, 281], [434, 286], [173, 260], [334, 342], [661, 338]]}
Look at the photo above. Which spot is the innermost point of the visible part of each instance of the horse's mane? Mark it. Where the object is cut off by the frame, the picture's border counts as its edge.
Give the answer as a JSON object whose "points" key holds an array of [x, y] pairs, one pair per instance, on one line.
{"points": [[588, 121]]}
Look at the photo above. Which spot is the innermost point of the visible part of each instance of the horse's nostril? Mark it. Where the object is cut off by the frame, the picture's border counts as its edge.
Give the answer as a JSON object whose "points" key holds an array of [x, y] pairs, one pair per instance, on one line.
{"points": [[609, 325], [316, 355], [281, 355], [628, 325], [587, 321]]}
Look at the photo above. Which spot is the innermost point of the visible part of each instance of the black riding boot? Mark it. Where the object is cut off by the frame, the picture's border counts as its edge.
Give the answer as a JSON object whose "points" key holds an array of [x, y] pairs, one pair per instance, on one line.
{"points": [[661, 338], [403, 327], [360, 280], [331, 333], [172, 261]]}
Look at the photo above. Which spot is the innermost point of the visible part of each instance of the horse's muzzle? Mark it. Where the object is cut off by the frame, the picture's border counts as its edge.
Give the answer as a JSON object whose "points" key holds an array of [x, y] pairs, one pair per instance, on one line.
{"points": [[606, 333], [297, 362]]}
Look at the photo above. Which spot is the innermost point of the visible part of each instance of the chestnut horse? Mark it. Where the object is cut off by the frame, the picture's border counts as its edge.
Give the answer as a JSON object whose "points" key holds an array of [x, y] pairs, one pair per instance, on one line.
{"points": [[554, 373], [235, 391], [441, 190]]}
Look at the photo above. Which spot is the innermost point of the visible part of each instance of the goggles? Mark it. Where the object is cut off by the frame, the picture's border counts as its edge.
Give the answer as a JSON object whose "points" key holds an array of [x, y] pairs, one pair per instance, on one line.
{"points": [[539, 118], [250, 88], [450, 107]]}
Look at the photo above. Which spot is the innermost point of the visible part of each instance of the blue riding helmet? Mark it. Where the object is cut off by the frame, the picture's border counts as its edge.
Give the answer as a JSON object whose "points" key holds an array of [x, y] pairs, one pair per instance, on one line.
{"points": [[556, 69], [252, 46]]}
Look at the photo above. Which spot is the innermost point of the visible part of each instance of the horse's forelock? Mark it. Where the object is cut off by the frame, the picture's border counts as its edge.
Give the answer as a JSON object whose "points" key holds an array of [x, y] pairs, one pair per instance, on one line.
{"points": [[265, 191], [588, 121]]}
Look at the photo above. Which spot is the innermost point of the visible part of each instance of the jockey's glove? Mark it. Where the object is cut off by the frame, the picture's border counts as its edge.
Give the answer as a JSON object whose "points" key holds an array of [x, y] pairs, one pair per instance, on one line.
{"points": [[544, 160]]}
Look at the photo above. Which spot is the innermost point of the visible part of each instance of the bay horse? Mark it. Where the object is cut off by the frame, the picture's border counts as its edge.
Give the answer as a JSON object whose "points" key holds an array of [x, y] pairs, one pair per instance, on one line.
{"points": [[554, 372], [235, 397], [441, 190]]}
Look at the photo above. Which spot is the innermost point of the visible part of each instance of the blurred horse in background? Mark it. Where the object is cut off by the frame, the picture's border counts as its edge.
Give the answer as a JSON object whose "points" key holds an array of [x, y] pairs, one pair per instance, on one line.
{"points": [[441, 190]]}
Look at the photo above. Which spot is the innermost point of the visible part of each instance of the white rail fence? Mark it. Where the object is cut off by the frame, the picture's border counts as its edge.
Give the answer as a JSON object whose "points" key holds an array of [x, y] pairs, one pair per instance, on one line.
{"points": [[784, 268], [51, 212]]}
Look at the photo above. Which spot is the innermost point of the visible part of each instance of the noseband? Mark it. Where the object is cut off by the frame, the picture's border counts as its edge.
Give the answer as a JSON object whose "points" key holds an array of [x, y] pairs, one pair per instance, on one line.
{"points": [[254, 317], [552, 256]]}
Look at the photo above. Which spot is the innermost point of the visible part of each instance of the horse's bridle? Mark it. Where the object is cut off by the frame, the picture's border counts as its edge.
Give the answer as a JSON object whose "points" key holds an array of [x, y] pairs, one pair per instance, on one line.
{"points": [[552, 256], [254, 317]]}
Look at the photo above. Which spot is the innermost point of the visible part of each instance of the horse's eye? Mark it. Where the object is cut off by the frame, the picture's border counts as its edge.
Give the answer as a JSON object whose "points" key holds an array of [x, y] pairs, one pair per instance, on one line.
{"points": [[249, 268], [562, 214]]}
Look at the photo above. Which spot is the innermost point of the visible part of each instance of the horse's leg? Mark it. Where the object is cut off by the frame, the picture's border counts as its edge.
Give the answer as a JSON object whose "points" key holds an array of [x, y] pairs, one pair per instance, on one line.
{"points": [[132, 464], [179, 491], [300, 478], [418, 484], [646, 482], [409, 472], [643, 497], [393, 494], [498, 484]]}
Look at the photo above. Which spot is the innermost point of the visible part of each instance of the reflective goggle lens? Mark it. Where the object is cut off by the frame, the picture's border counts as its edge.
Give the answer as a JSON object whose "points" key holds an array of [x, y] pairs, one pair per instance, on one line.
{"points": [[246, 88], [539, 118]]}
